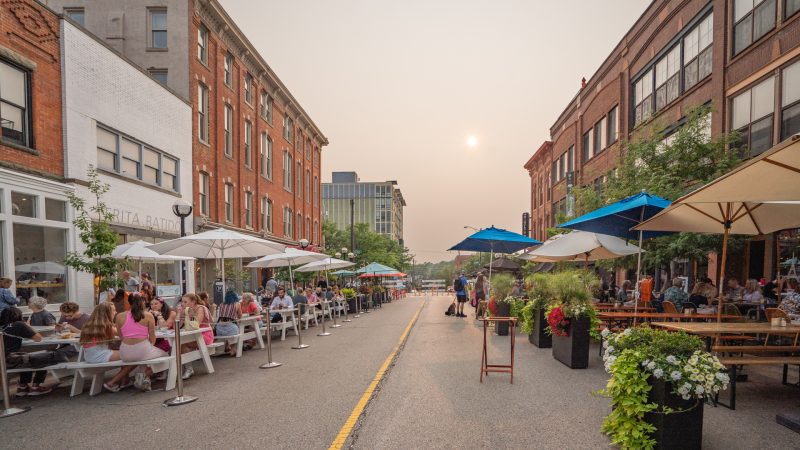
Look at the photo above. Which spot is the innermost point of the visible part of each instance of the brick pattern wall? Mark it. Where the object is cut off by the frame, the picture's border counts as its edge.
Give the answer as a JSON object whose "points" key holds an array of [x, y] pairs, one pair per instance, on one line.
{"points": [[30, 36]]}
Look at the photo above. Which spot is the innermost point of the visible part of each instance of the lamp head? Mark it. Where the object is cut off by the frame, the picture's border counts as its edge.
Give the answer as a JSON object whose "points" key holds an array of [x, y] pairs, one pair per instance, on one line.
{"points": [[181, 208], [337, 255], [344, 250], [350, 255], [303, 243]]}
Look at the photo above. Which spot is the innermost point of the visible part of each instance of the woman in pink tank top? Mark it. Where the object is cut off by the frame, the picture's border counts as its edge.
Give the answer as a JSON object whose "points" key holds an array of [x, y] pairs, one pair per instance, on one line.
{"points": [[137, 328], [194, 310]]}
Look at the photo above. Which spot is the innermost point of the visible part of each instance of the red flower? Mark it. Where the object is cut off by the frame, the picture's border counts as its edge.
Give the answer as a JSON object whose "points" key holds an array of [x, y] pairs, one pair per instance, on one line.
{"points": [[559, 324]]}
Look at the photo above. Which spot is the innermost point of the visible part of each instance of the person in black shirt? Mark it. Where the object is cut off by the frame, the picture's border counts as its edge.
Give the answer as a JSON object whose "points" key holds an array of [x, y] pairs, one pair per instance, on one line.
{"points": [[14, 330]]}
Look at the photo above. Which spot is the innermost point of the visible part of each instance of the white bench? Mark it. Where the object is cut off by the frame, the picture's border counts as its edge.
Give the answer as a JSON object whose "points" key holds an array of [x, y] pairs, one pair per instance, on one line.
{"points": [[97, 372], [288, 322]]}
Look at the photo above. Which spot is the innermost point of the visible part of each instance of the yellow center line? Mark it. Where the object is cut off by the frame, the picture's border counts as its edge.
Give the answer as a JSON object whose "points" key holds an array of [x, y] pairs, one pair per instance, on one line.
{"points": [[350, 423]]}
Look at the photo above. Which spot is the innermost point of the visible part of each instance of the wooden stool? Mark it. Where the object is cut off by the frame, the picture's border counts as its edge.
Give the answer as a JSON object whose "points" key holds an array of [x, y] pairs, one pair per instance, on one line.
{"points": [[504, 368]]}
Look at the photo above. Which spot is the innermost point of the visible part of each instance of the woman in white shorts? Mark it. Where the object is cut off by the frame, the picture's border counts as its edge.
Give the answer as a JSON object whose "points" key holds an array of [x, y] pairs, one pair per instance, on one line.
{"points": [[137, 328], [96, 335]]}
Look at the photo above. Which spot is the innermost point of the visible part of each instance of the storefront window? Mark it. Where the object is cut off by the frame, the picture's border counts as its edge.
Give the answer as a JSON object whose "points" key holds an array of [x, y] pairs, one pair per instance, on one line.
{"points": [[23, 204], [55, 210], [39, 262]]}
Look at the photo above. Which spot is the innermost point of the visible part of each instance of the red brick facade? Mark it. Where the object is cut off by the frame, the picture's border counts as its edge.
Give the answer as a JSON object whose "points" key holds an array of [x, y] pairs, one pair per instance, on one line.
{"points": [[29, 41], [538, 167], [245, 176]]}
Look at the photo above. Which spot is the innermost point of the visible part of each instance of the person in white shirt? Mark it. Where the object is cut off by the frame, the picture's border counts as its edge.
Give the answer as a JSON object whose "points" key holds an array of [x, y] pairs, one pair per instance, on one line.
{"points": [[281, 301]]}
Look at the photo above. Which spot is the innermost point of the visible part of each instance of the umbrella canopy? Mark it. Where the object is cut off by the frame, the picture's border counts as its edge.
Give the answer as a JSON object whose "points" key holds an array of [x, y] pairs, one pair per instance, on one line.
{"points": [[47, 267], [291, 257], [140, 250], [495, 240], [583, 246], [618, 218], [327, 264], [382, 275], [343, 273], [503, 264], [376, 268]]}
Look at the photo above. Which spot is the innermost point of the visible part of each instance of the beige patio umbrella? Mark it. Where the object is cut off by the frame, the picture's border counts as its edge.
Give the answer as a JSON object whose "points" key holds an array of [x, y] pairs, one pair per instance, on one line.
{"points": [[581, 246], [761, 196]]}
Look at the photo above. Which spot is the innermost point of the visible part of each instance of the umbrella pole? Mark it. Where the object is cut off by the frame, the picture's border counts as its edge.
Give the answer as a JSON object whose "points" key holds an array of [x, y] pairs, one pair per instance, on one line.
{"points": [[638, 278], [223, 273], [491, 259], [722, 271]]}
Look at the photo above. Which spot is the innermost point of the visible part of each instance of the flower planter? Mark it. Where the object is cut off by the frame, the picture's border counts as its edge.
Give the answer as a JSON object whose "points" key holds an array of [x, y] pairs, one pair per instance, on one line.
{"points": [[682, 429], [351, 305], [503, 310], [573, 350], [540, 337]]}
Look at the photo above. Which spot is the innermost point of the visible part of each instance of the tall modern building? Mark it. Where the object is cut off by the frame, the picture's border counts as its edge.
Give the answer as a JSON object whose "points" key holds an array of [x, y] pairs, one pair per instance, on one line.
{"points": [[379, 204], [740, 57]]}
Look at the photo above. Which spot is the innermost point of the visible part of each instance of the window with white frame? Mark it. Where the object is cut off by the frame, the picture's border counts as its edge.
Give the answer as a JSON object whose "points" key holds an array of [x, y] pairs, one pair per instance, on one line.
{"points": [[266, 214], [248, 88], [586, 146], [643, 97], [308, 186], [128, 157], [299, 190], [316, 191], [668, 71], [752, 116], [751, 20], [227, 69], [203, 193], [228, 202], [266, 107], [287, 221], [299, 224], [248, 209], [265, 156], [307, 231], [288, 131], [228, 130], [697, 52], [599, 130], [14, 111], [316, 232], [287, 171], [202, 112], [248, 143], [202, 44], [158, 28]]}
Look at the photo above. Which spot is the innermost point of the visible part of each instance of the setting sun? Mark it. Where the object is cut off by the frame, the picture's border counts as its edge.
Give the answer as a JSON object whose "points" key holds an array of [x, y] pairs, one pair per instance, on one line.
{"points": [[472, 141]]}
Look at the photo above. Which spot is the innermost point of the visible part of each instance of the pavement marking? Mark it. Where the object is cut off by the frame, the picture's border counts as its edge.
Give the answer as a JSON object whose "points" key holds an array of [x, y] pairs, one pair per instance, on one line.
{"points": [[351, 421]]}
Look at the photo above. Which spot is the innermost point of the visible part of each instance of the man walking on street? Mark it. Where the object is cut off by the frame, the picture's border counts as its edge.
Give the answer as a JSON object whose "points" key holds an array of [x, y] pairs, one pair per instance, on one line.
{"points": [[460, 286]]}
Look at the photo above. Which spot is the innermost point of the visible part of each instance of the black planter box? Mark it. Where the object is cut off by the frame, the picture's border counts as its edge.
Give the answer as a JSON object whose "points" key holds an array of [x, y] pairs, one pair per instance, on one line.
{"points": [[351, 305], [573, 350], [503, 310], [540, 337], [682, 429]]}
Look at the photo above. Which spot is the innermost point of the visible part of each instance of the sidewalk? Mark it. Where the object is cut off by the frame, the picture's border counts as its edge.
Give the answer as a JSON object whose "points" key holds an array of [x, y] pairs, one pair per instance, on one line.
{"points": [[432, 398]]}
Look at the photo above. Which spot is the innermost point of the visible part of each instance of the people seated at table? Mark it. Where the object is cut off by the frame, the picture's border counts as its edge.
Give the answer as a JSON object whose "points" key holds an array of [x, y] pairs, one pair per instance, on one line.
{"points": [[704, 292], [40, 317], [230, 312], [752, 292], [120, 301], [137, 328], [71, 317], [7, 298], [791, 301], [147, 287], [770, 292], [734, 291], [15, 330], [312, 297], [202, 298], [164, 315], [281, 301], [98, 332], [675, 294], [622, 295], [195, 315]]}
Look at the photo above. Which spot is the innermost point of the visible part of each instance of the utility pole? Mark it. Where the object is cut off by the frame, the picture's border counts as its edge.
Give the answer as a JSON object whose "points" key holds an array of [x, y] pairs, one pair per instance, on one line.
{"points": [[352, 226]]}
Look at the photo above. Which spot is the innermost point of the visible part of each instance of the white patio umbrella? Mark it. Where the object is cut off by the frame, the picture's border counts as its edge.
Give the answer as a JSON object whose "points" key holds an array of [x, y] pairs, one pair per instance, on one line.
{"points": [[581, 246], [760, 196], [290, 257], [325, 265], [48, 267], [140, 251], [216, 244]]}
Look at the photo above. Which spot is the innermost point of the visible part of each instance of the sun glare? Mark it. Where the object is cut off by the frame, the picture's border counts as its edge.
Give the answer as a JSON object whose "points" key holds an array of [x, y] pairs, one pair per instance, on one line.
{"points": [[472, 141]]}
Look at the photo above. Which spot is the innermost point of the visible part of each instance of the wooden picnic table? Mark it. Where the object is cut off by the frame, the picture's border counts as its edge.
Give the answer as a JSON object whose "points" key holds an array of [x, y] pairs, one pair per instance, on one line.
{"points": [[681, 317], [610, 307], [712, 328]]}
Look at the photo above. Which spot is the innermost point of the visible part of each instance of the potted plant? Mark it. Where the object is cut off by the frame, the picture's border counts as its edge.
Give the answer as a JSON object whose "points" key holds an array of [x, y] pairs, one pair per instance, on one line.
{"points": [[540, 297], [659, 382], [571, 318], [501, 286], [350, 296]]}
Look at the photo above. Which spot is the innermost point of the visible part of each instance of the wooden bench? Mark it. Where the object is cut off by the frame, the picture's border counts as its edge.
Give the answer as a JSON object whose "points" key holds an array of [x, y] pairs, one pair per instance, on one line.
{"points": [[97, 372], [733, 362], [755, 348]]}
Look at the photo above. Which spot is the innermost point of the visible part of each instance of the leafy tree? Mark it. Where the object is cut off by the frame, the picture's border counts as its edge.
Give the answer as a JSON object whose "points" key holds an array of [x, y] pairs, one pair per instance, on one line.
{"points": [[92, 222], [370, 246]]}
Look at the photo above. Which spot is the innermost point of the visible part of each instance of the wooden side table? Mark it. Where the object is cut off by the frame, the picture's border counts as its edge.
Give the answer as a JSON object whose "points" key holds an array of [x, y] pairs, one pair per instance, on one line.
{"points": [[504, 368]]}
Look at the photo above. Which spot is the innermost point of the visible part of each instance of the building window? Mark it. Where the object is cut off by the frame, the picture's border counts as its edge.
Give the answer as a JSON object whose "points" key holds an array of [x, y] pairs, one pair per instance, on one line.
{"points": [[227, 69], [751, 20], [668, 77], [317, 156], [613, 126], [287, 128], [316, 232], [160, 75], [287, 171], [790, 7], [643, 98], [203, 189], [78, 15], [599, 128], [128, 157], [248, 209], [228, 131], [266, 214], [308, 186], [299, 179], [752, 113], [266, 106], [307, 149], [287, 222], [697, 52], [228, 203], [571, 159], [299, 224], [14, 112], [248, 143], [265, 156], [248, 88], [790, 100], [158, 28], [586, 147], [202, 44], [202, 112], [316, 191], [308, 229]]}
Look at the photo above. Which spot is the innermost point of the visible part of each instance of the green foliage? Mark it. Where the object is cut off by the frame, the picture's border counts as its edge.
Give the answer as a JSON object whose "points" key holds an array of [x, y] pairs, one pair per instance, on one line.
{"points": [[349, 293], [501, 285], [370, 246], [92, 222], [527, 317]]}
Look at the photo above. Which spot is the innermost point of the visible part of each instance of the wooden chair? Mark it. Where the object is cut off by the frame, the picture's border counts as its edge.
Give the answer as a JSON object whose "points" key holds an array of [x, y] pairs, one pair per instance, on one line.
{"points": [[669, 307]]}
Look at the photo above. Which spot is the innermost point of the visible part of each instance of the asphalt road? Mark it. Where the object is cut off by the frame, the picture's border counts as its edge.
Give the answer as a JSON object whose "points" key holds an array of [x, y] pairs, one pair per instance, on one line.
{"points": [[430, 398]]}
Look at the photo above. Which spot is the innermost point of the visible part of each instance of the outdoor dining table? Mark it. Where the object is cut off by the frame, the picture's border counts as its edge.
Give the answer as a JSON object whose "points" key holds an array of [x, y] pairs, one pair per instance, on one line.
{"points": [[624, 319], [610, 307], [709, 330], [201, 353], [254, 322]]}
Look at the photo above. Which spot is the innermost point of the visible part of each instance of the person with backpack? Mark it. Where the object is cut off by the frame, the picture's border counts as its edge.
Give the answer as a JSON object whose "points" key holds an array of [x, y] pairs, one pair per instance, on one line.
{"points": [[460, 287]]}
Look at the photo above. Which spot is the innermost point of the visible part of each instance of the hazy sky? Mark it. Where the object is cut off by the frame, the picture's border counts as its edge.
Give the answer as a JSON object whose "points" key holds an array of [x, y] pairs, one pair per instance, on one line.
{"points": [[398, 87]]}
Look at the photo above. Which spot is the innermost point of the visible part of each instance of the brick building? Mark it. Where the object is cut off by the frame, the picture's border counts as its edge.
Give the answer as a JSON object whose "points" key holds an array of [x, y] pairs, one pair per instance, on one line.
{"points": [[256, 152], [35, 228], [741, 57]]}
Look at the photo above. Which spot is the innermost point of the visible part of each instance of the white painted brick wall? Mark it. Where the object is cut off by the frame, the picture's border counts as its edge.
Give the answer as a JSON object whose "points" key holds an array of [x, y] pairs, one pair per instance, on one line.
{"points": [[101, 87]]}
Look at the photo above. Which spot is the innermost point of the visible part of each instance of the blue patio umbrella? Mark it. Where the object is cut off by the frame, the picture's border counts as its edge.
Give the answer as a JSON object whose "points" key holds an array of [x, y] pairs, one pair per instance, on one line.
{"points": [[376, 268], [618, 218], [495, 240]]}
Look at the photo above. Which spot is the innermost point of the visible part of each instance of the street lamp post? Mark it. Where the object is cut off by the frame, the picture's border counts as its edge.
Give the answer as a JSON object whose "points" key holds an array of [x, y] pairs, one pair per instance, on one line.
{"points": [[182, 209], [480, 254]]}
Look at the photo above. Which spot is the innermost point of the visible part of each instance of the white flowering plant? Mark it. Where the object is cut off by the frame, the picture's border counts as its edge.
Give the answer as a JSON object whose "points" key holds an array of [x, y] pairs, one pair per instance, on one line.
{"points": [[637, 354]]}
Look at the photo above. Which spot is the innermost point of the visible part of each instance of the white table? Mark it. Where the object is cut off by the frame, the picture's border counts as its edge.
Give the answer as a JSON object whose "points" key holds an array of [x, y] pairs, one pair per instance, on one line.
{"points": [[200, 354], [289, 321], [254, 323]]}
